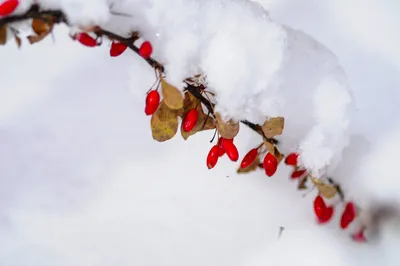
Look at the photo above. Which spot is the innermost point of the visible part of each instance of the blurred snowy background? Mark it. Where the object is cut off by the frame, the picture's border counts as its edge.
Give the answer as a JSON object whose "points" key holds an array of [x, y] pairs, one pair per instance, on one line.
{"points": [[83, 183]]}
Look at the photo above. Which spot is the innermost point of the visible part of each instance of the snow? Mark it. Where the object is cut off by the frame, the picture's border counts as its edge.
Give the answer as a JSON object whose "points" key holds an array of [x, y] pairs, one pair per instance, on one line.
{"points": [[83, 183]]}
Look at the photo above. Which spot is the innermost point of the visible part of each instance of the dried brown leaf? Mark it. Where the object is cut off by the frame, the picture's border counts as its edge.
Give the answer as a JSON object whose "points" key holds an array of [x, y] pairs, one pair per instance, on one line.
{"points": [[204, 122], [273, 126], [302, 183], [18, 41], [35, 38], [252, 167], [40, 26], [164, 123], [3, 35], [227, 129], [172, 96], [326, 190]]}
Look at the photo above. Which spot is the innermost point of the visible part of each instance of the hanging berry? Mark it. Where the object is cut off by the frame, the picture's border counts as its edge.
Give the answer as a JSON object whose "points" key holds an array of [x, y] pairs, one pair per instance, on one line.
{"points": [[249, 158], [212, 157], [270, 164], [152, 102], [348, 215], [117, 48], [327, 215], [145, 50], [8, 6], [291, 159], [86, 39], [298, 174], [190, 120], [319, 207], [231, 150], [221, 150], [359, 236]]}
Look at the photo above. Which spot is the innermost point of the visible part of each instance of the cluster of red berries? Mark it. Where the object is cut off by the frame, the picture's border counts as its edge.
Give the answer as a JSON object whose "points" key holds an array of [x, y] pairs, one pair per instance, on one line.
{"points": [[323, 212], [153, 101], [8, 6], [270, 162], [223, 146], [117, 48], [297, 172]]}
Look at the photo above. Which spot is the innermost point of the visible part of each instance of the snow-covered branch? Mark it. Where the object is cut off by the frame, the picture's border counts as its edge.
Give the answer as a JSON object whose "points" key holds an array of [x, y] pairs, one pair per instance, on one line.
{"points": [[288, 85]]}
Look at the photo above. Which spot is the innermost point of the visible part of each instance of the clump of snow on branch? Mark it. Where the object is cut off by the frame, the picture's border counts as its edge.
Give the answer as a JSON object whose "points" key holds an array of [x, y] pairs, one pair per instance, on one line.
{"points": [[256, 67]]}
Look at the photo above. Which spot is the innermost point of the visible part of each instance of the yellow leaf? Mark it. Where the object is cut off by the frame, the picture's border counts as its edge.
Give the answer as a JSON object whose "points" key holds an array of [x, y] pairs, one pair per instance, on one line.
{"points": [[164, 123], [204, 122], [172, 96], [252, 167], [3, 35], [273, 126], [327, 191], [227, 129]]}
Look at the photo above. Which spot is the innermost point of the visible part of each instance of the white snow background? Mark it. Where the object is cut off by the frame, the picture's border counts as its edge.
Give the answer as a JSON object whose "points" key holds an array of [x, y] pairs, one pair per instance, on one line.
{"points": [[83, 183]]}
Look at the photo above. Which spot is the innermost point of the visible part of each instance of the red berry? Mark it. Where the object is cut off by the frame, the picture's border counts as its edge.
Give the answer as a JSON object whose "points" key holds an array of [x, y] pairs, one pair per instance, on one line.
{"points": [[117, 48], [270, 164], [231, 149], [319, 207], [327, 215], [145, 50], [152, 102], [86, 39], [298, 173], [359, 236], [348, 215], [212, 157], [291, 159], [8, 6], [221, 150], [190, 120], [249, 158]]}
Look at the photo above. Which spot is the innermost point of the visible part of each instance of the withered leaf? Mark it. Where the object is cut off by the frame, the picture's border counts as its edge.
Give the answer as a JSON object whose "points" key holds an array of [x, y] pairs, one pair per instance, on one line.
{"points": [[42, 28], [18, 41], [302, 183], [273, 126], [3, 34], [227, 129], [326, 190], [274, 151], [35, 38], [204, 122], [164, 123], [172, 96], [252, 167]]}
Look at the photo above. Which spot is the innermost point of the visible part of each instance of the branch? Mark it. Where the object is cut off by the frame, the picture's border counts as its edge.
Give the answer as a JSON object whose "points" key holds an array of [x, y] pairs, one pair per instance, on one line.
{"points": [[57, 17], [35, 12]]}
